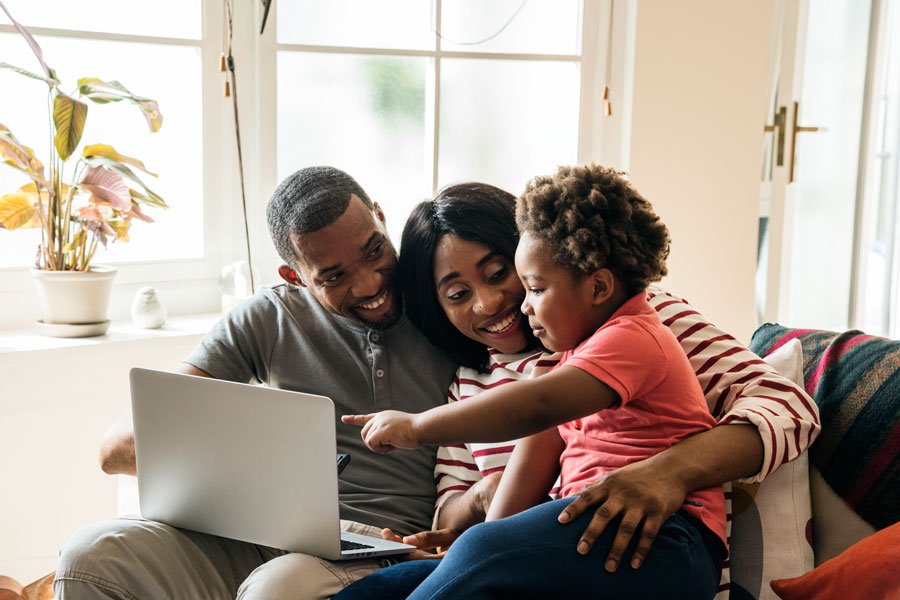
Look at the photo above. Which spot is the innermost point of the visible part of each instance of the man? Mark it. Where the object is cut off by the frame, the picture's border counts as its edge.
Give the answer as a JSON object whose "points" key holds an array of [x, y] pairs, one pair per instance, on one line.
{"points": [[338, 330]]}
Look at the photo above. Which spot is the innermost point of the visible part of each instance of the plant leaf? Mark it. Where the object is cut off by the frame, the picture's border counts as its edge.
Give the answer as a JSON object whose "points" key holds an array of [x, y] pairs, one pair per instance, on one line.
{"points": [[137, 213], [121, 228], [16, 210], [150, 109], [76, 241], [35, 47], [110, 153], [69, 116], [107, 186], [102, 92], [19, 156], [51, 82], [98, 91], [151, 196]]}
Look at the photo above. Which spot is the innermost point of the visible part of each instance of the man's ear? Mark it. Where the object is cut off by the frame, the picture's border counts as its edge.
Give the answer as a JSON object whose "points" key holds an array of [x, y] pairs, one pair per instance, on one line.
{"points": [[604, 285], [290, 275], [378, 212]]}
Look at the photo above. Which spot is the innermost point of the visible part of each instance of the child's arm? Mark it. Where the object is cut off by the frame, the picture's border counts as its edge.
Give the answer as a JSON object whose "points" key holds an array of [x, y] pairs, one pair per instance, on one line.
{"points": [[505, 413], [532, 470]]}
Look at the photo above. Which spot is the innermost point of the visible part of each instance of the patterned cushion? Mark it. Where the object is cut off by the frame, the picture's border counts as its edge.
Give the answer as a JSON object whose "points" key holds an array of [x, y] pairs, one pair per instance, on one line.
{"points": [[855, 381], [771, 520]]}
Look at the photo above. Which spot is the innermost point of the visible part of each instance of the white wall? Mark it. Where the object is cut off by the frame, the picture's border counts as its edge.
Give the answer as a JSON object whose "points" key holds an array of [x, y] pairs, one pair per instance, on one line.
{"points": [[55, 404], [700, 84]]}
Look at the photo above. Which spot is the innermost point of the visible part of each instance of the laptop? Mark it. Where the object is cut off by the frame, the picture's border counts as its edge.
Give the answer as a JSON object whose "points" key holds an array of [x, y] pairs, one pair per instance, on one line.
{"points": [[241, 461]]}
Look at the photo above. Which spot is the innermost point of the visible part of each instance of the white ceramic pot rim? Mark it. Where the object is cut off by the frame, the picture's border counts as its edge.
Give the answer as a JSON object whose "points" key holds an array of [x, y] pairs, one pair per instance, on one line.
{"points": [[95, 272]]}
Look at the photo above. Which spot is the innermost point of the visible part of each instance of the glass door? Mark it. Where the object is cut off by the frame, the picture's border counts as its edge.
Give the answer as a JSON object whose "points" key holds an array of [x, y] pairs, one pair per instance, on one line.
{"points": [[813, 157]]}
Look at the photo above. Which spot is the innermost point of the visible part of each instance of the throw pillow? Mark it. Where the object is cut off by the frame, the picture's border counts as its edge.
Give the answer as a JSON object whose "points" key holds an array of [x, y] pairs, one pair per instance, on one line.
{"points": [[771, 524], [854, 379], [868, 569]]}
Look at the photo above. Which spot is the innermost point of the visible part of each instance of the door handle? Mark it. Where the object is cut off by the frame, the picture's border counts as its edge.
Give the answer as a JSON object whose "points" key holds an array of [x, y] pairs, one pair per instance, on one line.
{"points": [[795, 129], [778, 123]]}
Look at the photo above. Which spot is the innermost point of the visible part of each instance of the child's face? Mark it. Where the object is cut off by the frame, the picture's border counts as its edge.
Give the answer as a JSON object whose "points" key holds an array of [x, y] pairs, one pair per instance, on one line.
{"points": [[559, 306]]}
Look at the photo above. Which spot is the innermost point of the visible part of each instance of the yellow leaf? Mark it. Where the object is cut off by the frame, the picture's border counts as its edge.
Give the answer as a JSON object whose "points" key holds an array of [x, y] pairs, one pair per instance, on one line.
{"points": [[121, 228], [69, 116], [76, 241], [17, 210], [110, 152]]}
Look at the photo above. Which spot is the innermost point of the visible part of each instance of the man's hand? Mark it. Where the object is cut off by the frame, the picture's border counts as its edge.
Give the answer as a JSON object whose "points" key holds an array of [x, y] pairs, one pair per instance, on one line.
{"points": [[643, 494], [387, 430], [439, 540]]}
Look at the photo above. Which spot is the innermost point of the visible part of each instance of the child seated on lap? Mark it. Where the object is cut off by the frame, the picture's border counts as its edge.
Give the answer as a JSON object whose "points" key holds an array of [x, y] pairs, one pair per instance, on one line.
{"points": [[622, 392]]}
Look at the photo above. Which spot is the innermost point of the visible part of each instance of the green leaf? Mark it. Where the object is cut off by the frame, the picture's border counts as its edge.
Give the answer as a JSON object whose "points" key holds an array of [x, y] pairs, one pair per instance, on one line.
{"points": [[51, 82], [69, 116], [101, 92]]}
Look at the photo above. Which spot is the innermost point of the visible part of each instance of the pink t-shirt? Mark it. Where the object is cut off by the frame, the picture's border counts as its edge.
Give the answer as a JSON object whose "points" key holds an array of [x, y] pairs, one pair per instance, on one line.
{"points": [[661, 404]]}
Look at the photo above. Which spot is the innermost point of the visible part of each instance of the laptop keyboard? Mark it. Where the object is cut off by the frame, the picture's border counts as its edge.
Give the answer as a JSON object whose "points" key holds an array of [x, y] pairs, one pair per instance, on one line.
{"points": [[346, 545]]}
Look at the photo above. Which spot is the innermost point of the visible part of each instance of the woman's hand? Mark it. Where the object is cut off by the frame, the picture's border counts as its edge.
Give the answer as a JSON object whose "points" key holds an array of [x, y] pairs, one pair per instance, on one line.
{"points": [[439, 540], [387, 430], [644, 495]]}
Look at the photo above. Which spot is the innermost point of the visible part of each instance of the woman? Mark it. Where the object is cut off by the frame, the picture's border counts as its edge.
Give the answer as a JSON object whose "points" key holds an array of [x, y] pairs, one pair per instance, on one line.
{"points": [[460, 288], [463, 244]]}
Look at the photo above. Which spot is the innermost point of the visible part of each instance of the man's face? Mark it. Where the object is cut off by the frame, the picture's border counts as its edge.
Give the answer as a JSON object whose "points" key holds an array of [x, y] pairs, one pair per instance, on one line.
{"points": [[349, 266]]}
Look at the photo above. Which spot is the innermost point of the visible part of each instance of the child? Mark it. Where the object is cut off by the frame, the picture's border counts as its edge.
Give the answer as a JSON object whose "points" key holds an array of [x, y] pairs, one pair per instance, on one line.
{"points": [[622, 392]]}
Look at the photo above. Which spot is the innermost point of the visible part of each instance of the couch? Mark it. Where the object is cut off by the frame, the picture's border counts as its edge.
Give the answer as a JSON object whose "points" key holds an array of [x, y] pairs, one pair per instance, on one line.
{"points": [[844, 489]]}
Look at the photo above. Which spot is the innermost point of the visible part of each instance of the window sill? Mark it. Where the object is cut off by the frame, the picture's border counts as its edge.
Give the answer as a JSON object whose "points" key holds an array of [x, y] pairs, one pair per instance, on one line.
{"points": [[28, 339]]}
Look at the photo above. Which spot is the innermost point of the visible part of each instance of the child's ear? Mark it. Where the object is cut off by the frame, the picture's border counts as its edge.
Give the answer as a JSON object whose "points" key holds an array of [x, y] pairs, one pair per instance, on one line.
{"points": [[604, 285]]}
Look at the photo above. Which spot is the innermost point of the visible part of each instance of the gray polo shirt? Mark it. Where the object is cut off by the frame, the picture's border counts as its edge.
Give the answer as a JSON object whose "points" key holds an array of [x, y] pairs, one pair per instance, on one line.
{"points": [[284, 338]]}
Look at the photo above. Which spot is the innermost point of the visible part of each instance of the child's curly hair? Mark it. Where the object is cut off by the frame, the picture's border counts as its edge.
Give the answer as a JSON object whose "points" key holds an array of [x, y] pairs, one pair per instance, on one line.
{"points": [[594, 218]]}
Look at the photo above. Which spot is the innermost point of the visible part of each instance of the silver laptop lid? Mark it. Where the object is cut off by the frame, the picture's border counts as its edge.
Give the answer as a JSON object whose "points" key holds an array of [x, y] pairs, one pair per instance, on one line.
{"points": [[239, 461]]}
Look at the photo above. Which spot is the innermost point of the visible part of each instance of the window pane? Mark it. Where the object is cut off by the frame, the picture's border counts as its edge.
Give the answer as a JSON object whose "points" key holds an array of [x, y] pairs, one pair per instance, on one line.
{"points": [[541, 26], [163, 18], [359, 23], [503, 122], [175, 152], [362, 114]]}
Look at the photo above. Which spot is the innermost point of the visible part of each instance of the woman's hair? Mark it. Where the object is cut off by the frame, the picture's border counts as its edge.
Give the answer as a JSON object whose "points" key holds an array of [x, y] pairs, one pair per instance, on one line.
{"points": [[475, 212], [593, 218]]}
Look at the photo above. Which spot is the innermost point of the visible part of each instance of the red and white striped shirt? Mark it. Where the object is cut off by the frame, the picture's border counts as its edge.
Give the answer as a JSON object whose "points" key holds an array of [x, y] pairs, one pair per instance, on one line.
{"points": [[739, 388]]}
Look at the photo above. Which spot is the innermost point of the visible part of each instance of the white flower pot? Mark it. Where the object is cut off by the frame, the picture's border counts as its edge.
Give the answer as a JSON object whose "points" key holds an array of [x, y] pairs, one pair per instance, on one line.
{"points": [[74, 303]]}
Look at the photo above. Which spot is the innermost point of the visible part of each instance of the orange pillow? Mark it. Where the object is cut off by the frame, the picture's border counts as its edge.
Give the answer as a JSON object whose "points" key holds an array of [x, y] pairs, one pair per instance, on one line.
{"points": [[867, 569]]}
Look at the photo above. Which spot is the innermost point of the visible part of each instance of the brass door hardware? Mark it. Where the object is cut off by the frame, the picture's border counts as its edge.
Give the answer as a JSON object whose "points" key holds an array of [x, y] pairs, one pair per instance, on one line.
{"points": [[778, 123], [795, 129]]}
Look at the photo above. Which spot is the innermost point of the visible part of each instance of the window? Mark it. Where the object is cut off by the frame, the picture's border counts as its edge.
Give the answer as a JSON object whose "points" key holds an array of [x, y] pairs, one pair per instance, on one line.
{"points": [[506, 91], [155, 52], [494, 97]]}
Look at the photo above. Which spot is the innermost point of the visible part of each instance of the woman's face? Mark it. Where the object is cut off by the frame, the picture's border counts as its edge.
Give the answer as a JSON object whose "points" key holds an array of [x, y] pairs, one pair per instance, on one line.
{"points": [[480, 293]]}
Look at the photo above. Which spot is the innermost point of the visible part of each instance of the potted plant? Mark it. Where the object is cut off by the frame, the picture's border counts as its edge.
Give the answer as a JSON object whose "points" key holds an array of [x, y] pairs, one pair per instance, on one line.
{"points": [[80, 201]]}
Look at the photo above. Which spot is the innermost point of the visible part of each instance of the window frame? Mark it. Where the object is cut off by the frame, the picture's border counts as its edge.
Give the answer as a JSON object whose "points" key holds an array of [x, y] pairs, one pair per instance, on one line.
{"points": [[188, 285]]}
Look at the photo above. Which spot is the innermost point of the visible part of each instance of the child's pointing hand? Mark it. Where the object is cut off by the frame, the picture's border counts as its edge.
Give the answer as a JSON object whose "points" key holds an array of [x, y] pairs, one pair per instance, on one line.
{"points": [[386, 430]]}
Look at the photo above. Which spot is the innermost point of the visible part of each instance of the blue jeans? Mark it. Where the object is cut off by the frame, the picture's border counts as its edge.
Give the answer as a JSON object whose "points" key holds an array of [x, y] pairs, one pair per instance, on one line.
{"points": [[531, 555]]}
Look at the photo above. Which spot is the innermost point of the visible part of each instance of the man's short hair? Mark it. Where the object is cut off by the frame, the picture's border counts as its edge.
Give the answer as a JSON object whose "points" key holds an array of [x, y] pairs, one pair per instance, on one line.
{"points": [[307, 201]]}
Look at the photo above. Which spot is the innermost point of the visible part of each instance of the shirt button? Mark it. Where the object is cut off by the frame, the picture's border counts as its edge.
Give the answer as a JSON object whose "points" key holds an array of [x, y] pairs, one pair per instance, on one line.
{"points": [[379, 373], [375, 337]]}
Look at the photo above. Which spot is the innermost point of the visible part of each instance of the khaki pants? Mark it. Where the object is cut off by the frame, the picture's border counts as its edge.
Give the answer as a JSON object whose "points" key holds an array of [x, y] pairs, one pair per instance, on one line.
{"points": [[135, 559]]}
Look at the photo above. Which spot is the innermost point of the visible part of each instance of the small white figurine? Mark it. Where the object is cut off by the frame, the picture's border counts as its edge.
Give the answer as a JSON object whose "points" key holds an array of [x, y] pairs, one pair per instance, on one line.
{"points": [[147, 312]]}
